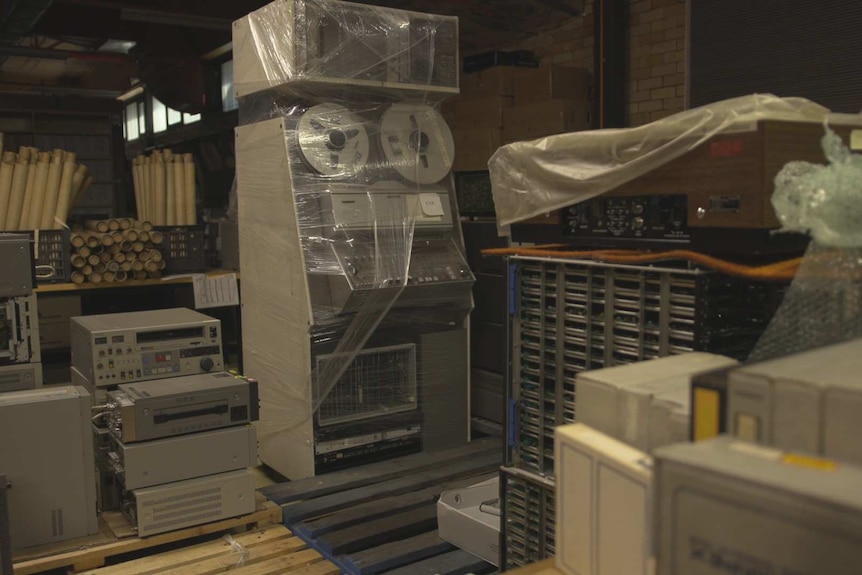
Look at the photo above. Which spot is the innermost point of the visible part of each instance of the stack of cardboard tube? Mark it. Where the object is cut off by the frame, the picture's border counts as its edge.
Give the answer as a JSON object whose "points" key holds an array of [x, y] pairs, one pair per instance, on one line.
{"points": [[37, 189], [116, 250], [165, 188]]}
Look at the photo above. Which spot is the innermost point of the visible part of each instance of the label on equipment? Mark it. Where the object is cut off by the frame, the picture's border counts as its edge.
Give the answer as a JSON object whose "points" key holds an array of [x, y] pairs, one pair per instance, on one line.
{"points": [[431, 204]]}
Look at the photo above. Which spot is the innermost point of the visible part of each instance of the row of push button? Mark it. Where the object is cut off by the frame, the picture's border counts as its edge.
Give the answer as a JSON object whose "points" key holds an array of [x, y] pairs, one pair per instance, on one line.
{"points": [[157, 370]]}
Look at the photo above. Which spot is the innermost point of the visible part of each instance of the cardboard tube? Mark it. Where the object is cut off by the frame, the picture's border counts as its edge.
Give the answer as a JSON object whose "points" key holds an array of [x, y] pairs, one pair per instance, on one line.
{"points": [[138, 265], [119, 257], [40, 186], [78, 278], [84, 251], [113, 225], [125, 223], [113, 266], [79, 261], [151, 266], [179, 190], [104, 257], [170, 194], [136, 184], [156, 255], [65, 197], [161, 190], [131, 235], [52, 192], [121, 275], [140, 275], [126, 266], [157, 237], [109, 277], [7, 169], [138, 247], [29, 191], [154, 275], [93, 241], [144, 236], [88, 181], [77, 180], [146, 226], [94, 259], [16, 196], [144, 167], [100, 226], [95, 278], [190, 210], [77, 240], [118, 237], [87, 270], [106, 240]]}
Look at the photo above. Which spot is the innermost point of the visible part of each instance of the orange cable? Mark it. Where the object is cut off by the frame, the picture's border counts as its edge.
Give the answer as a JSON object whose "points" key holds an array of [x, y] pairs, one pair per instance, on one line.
{"points": [[783, 270]]}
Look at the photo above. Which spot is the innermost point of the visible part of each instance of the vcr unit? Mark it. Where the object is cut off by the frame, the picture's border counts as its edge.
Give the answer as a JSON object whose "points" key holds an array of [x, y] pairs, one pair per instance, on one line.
{"points": [[123, 347]]}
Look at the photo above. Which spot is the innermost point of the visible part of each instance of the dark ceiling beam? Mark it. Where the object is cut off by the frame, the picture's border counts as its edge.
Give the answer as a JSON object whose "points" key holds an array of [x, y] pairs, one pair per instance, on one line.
{"points": [[49, 54], [21, 17], [56, 90], [174, 19]]}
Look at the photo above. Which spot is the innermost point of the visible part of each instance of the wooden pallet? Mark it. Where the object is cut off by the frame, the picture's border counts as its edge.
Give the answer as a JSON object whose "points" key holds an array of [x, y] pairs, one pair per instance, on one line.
{"points": [[269, 551], [382, 518], [93, 552]]}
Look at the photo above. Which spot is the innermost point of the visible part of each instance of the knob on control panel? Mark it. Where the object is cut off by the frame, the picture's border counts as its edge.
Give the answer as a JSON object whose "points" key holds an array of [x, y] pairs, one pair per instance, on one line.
{"points": [[207, 364]]}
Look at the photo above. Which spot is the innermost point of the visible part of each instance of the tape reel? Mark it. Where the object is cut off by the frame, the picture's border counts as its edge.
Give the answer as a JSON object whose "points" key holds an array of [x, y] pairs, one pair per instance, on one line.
{"points": [[417, 142], [333, 140]]}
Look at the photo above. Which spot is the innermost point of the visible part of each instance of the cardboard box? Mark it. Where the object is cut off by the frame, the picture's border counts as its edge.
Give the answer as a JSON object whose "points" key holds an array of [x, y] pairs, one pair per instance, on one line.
{"points": [[603, 504], [494, 81], [551, 82], [469, 518], [483, 113], [646, 404], [474, 147], [55, 314], [728, 506], [531, 121], [808, 401]]}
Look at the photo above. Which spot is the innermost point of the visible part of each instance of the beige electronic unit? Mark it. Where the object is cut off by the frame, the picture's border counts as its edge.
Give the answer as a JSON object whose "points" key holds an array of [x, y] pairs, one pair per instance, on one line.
{"points": [[163, 508], [149, 410], [604, 500], [728, 506], [173, 459], [47, 457], [314, 45], [20, 377], [19, 331], [808, 402], [123, 347], [644, 404]]}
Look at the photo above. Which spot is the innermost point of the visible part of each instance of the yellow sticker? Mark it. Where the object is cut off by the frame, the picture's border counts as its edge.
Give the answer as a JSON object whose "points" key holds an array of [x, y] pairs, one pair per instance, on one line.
{"points": [[706, 413], [856, 140], [810, 462]]}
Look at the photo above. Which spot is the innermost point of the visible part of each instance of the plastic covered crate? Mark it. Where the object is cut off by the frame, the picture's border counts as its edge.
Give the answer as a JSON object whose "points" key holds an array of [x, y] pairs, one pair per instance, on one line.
{"points": [[183, 249]]}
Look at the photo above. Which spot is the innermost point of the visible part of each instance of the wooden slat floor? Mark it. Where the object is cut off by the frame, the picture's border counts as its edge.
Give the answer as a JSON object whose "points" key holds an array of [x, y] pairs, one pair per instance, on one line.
{"points": [[381, 518]]}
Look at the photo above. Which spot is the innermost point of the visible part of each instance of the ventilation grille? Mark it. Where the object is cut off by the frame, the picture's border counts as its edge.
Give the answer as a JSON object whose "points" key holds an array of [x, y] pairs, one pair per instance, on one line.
{"points": [[574, 317], [791, 48], [529, 527], [183, 509], [377, 382]]}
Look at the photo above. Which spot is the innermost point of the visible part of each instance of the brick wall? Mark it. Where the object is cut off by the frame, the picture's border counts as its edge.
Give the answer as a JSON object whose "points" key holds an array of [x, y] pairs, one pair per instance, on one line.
{"points": [[656, 54]]}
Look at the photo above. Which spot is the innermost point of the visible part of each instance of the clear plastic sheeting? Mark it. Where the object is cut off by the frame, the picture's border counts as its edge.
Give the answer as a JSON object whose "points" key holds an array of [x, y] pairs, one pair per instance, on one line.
{"points": [[532, 178], [356, 288], [823, 305], [301, 46]]}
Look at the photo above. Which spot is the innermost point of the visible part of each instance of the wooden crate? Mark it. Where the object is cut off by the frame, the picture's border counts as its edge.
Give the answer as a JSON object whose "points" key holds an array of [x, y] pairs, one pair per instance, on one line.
{"points": [[93, 552]]}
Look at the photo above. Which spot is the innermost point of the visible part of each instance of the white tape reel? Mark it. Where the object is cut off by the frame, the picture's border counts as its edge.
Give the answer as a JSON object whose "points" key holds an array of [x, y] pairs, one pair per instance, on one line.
{"points": [[333, 140], [417, 142]]}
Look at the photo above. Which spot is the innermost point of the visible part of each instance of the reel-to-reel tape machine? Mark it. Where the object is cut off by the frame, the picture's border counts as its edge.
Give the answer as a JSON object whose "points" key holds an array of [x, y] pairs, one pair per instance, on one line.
{"points": [[406, 141], [358, 291]]}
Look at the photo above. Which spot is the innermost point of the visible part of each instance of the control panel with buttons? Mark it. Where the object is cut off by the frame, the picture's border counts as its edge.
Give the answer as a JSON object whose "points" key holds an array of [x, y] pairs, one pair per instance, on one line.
{"points": [[637, 217], [160, 345]]}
